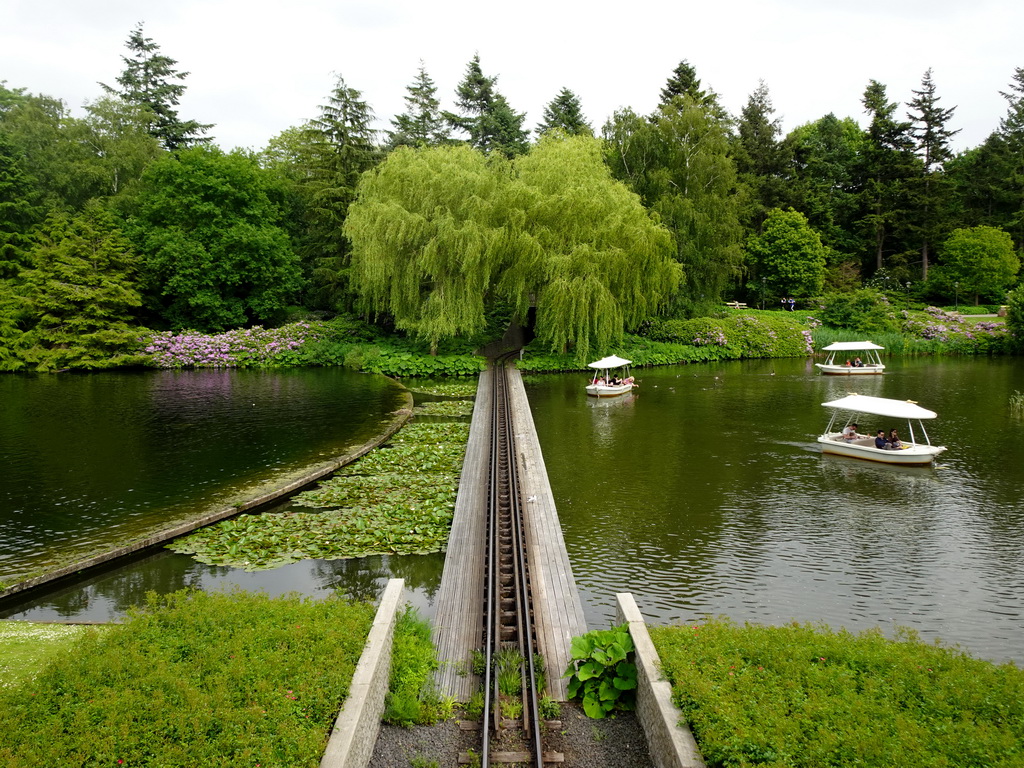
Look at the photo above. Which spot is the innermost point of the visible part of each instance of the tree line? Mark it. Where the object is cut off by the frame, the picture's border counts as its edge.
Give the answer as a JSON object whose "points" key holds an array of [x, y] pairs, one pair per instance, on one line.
{"points": [[131, 217]]}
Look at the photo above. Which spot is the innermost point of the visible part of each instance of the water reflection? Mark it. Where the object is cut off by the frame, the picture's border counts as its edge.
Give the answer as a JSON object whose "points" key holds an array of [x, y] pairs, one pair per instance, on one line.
{"points": [[710, 496], [91, 460], [107, 596]]}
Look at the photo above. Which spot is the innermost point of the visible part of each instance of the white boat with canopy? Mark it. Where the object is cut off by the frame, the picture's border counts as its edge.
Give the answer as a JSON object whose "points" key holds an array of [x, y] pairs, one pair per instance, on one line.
{"points": [[872, 363], [611, 377], [915, 447]]}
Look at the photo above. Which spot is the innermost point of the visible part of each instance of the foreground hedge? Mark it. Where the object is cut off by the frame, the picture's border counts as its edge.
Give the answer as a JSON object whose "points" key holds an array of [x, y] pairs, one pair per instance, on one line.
{"points": [[804, 696], [195, 679]]}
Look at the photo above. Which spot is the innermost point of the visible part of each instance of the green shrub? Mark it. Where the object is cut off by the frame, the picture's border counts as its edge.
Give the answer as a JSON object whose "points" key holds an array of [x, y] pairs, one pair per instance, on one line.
{"points": [[412, 698], [193, 679], [803, 696], [867, 310]]}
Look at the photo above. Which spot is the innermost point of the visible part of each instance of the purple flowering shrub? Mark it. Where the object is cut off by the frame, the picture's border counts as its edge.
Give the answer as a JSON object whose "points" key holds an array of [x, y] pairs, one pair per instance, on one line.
{"points": [[953, 330], [240, 348]]}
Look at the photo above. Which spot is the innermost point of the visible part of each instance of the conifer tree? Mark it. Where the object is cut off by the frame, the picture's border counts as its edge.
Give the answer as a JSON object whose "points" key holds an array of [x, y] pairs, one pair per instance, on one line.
{"points": [[341, 145], [486, 117], [150, 80], [565, 113], [17, 214], [887, 163], [931, 138], [80, 294], [422, 124], [762, 160], [684, 82], [1011, 135]]}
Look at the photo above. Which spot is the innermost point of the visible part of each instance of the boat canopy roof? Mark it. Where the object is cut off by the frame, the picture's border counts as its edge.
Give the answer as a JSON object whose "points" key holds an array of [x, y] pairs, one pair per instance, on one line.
{"points": [[881, 406], [610, 362], [850, 346]]}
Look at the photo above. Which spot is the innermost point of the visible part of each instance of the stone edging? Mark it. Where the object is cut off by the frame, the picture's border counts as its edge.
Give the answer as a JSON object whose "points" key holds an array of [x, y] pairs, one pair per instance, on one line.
{"points": [[669, 739], [355, 731], [318, 472]]}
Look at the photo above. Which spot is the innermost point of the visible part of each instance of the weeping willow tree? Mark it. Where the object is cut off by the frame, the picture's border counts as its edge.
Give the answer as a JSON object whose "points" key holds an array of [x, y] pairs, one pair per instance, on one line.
{"points": [[438, 232], [604, 264]]}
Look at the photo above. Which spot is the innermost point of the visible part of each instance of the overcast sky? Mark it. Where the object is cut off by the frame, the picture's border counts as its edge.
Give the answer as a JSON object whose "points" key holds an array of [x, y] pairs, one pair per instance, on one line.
{"points": [[258, 67]]}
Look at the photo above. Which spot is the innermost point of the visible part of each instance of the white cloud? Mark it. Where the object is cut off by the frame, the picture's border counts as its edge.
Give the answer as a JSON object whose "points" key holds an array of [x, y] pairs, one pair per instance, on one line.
{"points": [[260, 67]]}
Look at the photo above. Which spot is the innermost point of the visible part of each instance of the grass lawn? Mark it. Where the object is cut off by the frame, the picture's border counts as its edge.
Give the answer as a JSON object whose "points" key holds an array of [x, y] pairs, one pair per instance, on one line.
{"points": [[26, 647]]}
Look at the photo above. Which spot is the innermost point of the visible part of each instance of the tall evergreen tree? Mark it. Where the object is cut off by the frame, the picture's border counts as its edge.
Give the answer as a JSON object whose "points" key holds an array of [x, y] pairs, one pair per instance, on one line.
{"points": [[565, 113], [17, 214], [342, 145], [762, 160], [684, 82], [80, 294], [422, 124], [887, 163], [931, 139], [486, 117], [150, 80], [1011, 133]]}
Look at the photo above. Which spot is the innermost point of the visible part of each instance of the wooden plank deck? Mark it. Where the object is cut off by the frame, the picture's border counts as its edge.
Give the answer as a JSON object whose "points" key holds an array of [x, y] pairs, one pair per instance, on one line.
{"points": [[459, 618], [558, 611]]}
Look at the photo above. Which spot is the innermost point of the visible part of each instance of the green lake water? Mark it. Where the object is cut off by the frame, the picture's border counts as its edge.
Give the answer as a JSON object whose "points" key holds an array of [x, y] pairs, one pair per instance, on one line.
{"points": [[705, 494], [89, 460]]}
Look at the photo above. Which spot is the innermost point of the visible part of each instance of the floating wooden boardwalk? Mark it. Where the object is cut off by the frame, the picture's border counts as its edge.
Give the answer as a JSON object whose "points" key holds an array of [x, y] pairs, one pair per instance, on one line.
{"points": [[558, 611]]}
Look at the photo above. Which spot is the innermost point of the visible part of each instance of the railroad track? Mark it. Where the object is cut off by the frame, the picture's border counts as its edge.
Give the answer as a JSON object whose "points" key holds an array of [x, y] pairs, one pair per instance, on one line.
{"points": [[509, 640]]}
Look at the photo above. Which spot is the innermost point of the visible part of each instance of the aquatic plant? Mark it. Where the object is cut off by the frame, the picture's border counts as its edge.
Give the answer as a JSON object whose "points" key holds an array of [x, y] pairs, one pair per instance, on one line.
{"points": [[399, 499], [445, 408]]}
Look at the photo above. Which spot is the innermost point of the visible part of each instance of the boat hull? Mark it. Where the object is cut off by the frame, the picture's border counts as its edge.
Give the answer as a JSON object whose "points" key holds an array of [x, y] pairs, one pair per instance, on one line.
{"points": [[911, 455], [602, 390], [847, 370]]}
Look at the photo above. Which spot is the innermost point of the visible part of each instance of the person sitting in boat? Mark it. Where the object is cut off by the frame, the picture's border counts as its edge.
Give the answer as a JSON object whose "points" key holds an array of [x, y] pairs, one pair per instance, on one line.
{"points": [[628, 380], [880, 442], [616, 381], [894, 441], [850, 432], [848, 364], [599, 381], [857, 363]]}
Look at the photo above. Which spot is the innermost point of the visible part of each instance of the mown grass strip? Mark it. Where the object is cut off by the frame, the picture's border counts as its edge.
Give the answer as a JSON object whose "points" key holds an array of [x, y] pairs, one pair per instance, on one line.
{"points": [[194, 679], [804, 696], [25, 647]]}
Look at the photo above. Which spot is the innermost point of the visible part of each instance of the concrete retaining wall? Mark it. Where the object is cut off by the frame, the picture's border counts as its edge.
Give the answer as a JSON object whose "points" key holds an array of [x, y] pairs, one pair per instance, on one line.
{"points": [[355, 731], [266, 495], [669, 740]]}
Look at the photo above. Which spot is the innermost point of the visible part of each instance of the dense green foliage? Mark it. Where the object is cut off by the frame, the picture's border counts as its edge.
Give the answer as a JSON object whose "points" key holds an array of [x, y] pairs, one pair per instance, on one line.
{"points": [[980, 263], [214, 255], [73, 306], [194, 678], [398, 499], [787, 255], [224, 242], [438, 232], [806, 696]]}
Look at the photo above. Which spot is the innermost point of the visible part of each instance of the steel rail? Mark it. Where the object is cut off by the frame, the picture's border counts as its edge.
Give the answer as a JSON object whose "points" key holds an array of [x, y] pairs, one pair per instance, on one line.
{"points": [[508, 615]]}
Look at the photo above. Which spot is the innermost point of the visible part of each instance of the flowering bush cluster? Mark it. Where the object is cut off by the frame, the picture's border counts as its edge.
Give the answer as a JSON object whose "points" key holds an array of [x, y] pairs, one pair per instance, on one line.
{"points": [[710, 337], [952, 329], [234, 349], [808, 342]]}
